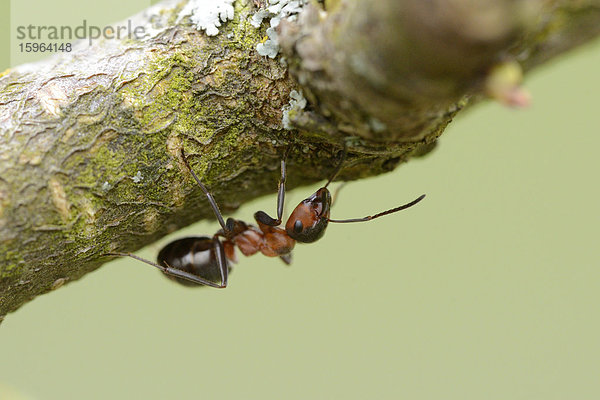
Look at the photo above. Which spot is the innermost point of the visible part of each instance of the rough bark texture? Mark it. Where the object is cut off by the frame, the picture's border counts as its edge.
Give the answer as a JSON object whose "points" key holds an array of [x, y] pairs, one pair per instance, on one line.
{"points": [[89, 147]]}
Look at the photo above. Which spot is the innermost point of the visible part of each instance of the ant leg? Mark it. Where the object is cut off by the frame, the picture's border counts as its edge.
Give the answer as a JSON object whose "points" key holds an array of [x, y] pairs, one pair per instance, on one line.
{"points": [[173, 271], [337, 192], [281, 193], [262, 216], [286, 258], [221, 260], [211, 199], [339, 166]]}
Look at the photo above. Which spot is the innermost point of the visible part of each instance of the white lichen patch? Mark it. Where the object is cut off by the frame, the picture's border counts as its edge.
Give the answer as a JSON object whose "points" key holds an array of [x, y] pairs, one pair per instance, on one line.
{"points": [[257, 18], [106, 186], [376, 125], [270, 47], [276, 11], [284, 9], [138, 177], [297, 103], [207, 15], [59, 198]]}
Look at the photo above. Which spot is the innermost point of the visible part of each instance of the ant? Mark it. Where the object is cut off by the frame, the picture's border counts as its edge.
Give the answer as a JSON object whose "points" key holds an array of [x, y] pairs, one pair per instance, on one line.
{"points": [[202, 260]]}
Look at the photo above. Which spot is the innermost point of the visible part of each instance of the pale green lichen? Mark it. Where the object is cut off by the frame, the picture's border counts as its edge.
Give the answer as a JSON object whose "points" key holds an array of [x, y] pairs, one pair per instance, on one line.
{"points": [[207, 15], [296, 104], [276, 11], [138, 177]]}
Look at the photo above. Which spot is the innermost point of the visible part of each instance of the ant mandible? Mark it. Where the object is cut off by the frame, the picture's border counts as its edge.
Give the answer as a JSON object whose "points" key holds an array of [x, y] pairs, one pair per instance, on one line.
{"points": [[202, 260]]}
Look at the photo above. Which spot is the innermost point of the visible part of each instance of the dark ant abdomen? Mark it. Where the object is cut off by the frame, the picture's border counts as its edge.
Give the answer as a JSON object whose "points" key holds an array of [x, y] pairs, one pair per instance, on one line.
{"points": [[195, 255]]}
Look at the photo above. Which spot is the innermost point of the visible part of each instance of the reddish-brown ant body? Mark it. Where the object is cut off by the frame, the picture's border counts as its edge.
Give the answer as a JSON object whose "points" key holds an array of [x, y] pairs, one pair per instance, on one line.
{"points": [[202, 260]]}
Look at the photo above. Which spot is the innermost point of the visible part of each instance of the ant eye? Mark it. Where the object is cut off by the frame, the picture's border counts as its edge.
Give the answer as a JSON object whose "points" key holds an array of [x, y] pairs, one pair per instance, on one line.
{"points": [[298, 226]]}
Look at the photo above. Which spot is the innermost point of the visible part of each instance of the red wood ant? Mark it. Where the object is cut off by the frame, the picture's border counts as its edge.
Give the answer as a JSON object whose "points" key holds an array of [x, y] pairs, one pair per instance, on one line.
{"points": [[202, 260]]}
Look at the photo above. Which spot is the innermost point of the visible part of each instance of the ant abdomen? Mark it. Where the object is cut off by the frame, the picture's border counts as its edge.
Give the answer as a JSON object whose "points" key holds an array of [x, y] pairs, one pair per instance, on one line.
{"points": [[194, 255]]}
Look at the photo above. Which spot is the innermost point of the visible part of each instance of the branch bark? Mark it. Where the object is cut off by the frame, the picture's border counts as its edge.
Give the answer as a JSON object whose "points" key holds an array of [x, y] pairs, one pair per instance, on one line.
{"points": [[90, 140]]}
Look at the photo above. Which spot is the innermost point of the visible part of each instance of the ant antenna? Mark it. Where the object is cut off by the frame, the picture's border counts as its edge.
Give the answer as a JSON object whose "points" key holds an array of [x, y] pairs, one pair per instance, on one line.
{"points": [[381, 214], [338, 168]]}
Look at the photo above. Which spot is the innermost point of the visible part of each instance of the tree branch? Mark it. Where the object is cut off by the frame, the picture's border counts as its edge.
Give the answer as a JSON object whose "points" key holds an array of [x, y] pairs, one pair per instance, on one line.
{"points": [[89, 147]]}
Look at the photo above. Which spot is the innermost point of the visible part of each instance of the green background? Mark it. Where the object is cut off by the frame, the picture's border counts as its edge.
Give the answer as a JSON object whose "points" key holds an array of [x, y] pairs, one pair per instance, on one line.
{"points": [[488, 289]]}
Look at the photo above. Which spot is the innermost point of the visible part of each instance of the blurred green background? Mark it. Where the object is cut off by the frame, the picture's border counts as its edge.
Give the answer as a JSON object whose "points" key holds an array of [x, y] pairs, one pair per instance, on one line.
{"points": [[488, 289]]}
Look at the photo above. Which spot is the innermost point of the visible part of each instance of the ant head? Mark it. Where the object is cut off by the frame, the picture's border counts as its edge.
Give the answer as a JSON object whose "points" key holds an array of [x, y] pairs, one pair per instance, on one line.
{"points": [[309, 219]]}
